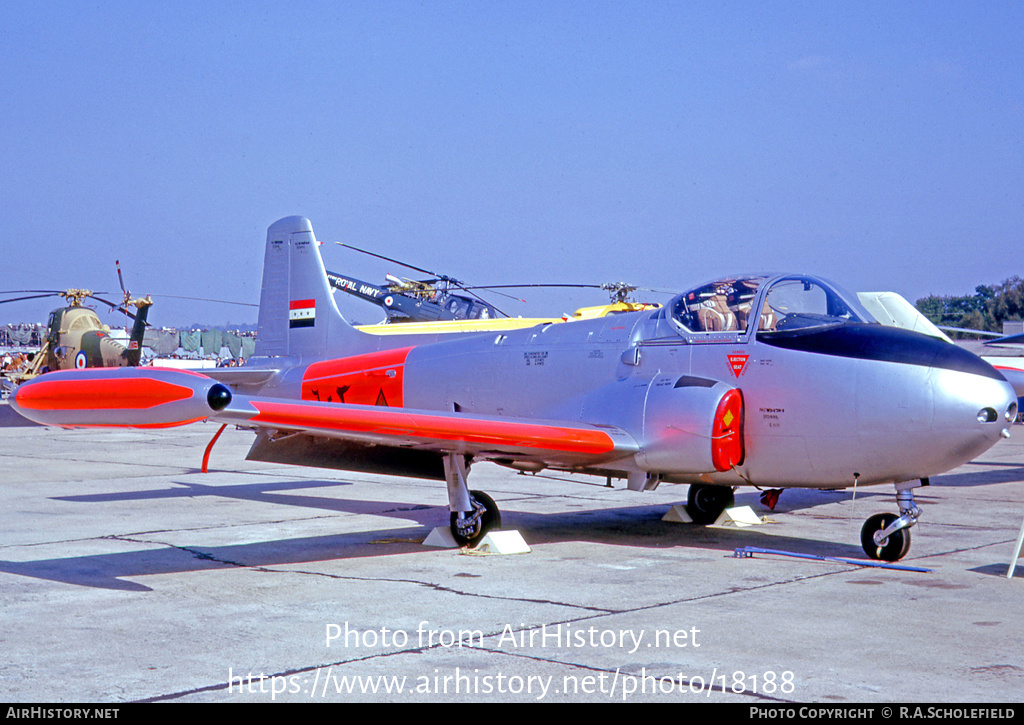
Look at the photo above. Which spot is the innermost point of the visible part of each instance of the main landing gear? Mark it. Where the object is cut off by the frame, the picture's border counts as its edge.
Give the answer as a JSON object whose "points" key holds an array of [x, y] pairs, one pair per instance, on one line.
{"points": [[886, 536], [706, 503], [473, 513]]}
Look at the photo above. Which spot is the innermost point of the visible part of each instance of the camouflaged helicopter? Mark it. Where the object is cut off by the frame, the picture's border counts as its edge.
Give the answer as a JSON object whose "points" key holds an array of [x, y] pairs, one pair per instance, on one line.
{"points": [[76, 338]]}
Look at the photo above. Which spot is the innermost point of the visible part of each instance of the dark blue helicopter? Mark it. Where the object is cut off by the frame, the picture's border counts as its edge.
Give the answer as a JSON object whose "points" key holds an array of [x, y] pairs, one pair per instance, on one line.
{"points": [[436, 299], [405, 300]]}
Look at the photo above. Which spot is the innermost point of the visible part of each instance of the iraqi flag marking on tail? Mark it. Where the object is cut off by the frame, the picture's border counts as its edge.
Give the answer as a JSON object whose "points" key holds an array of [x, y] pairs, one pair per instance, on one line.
{"points": [[302, 313]]}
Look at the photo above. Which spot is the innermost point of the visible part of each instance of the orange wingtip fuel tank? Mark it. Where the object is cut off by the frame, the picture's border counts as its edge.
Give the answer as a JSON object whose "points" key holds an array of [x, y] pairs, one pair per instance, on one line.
{"points": [[122, 397]]}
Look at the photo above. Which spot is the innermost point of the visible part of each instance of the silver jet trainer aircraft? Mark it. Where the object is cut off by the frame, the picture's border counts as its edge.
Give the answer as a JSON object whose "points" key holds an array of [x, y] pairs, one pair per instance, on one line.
{"points": [[767, 381]]}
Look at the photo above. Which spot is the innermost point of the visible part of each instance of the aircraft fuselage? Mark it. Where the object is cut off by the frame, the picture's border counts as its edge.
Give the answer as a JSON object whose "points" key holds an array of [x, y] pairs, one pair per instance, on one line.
{"points": [[821, 408]]}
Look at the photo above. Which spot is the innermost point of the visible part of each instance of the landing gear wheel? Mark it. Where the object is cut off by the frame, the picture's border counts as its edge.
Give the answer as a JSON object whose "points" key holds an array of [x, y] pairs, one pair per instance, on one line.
{"points": [[894, 548], [706, 503], [475, 525]]}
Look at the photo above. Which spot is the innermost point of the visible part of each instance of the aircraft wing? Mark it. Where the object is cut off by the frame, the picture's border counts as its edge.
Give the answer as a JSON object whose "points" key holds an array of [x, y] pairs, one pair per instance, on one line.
{"points": [[154, 397], [1017, 339], [552, 442]]}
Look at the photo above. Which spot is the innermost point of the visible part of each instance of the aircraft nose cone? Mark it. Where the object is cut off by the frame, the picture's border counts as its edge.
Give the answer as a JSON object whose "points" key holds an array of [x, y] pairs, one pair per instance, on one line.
{"points": [[972, 412], [1005, 407]]}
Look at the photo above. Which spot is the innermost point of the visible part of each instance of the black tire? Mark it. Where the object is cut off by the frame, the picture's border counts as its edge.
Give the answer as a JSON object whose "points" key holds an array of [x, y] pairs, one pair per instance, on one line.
{"points": [[706, 503], [895, 547], [490, 520]]}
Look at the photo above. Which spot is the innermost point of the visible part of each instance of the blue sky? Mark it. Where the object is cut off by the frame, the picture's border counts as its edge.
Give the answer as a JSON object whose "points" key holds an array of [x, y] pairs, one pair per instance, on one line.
{"points": [[660, 143]]}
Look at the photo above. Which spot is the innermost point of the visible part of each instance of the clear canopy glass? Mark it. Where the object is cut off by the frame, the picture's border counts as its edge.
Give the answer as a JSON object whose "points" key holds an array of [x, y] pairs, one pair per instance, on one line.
{"points": [[788, 303]]}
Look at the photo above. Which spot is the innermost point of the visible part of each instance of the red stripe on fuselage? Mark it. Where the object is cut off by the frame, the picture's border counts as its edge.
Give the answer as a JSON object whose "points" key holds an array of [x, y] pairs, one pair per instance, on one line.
{"points": [[360, 379], [433, 427]]}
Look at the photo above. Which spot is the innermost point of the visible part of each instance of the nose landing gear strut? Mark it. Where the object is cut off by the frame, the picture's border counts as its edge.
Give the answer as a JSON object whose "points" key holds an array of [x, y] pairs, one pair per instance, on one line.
{"points": [[886, 537]]}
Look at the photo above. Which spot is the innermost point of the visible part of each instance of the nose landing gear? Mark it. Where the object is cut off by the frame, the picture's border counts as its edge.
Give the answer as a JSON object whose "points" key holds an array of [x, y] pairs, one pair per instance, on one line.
{"points": [[886, 537]]}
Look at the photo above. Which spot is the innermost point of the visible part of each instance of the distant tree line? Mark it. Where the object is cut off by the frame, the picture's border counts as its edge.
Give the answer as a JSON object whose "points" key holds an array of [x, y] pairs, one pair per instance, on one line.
{"points": [[986, 309]]}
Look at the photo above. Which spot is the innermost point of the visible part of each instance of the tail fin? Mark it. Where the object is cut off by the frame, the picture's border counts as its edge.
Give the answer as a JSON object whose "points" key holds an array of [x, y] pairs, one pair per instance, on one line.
{"points": [[298, 316]]}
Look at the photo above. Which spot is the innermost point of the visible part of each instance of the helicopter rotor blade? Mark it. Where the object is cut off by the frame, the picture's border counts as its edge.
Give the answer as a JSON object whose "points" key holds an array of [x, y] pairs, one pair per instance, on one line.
{"points": [[120, 279], [438, 277], [606, 286], [394, 261], [527, 286], [469, 290], [30, 297], [619, 291], [524, 286], [500, 294], [474, 294], [207, 299], [114, 307]]}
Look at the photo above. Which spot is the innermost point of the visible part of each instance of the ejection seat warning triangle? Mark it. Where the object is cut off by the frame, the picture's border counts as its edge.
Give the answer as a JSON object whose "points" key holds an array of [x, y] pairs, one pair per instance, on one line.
{"points": [[737, 362]]}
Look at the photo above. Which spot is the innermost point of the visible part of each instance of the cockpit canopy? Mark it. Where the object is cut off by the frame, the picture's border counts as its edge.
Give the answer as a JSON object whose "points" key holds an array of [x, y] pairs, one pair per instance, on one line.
{"points": [[769, 303]]}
